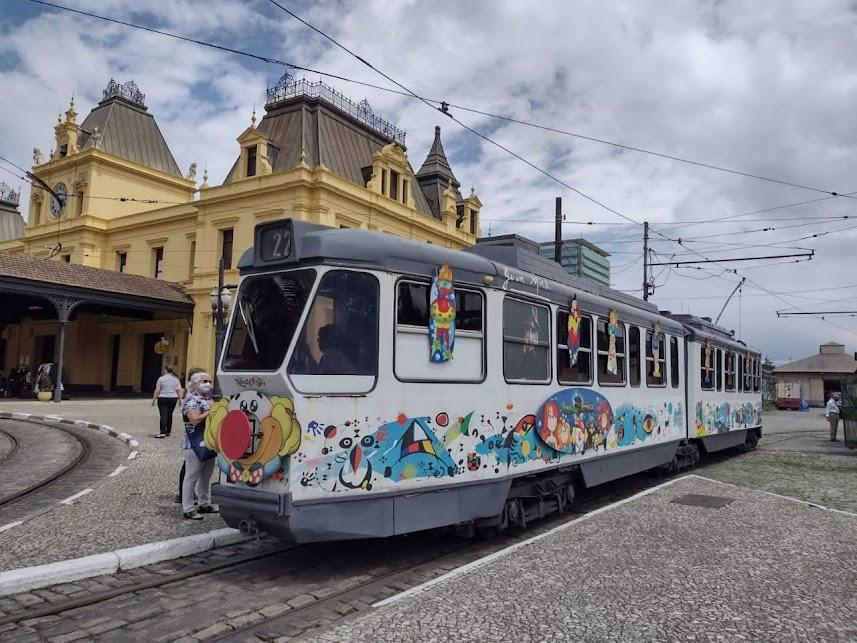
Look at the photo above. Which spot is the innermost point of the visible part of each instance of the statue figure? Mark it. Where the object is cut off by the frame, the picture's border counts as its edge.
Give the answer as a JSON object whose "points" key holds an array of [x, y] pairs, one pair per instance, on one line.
{"points": [[38, 157], [191, 173], [96, 138]]}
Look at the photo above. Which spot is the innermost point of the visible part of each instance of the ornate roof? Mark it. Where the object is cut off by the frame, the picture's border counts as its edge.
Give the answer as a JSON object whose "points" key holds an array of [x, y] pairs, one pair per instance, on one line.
{"points": [[435, 175], [121, 125], [11, 223]]}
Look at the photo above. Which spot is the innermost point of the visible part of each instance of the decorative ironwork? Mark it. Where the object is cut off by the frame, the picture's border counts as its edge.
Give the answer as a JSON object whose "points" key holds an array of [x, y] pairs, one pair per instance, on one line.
{"points": [[290, 87], [8, 194], [128, 90]]}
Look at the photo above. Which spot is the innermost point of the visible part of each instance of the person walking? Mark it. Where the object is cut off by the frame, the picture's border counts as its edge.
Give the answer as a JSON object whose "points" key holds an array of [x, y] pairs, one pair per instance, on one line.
{"points": [[199, 462], [168, 390], [832, 412]]}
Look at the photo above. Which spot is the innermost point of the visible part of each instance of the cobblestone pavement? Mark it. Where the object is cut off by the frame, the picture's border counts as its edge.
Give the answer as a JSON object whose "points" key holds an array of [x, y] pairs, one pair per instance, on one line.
{"points": [[43, 450], [131, 508], [762, 568], [258, 590], [7, 445]]}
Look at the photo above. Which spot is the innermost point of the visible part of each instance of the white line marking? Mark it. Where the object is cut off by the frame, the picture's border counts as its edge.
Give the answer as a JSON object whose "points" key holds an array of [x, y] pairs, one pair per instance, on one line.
{"points": [[133, 444], [132, 455], [118, 470], [776, 495], [79, 494], [51, 418], [10, 525], [511, 548], [21, 416]]}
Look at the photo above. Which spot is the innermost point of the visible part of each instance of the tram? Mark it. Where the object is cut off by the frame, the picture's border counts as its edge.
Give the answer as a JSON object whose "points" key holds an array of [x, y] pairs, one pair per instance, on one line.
{"points": [[378, 386]]}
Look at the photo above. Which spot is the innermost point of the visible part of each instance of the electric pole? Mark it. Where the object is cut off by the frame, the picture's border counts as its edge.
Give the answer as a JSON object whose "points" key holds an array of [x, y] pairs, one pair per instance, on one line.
{"points": [[557, 240], [645, 261]]}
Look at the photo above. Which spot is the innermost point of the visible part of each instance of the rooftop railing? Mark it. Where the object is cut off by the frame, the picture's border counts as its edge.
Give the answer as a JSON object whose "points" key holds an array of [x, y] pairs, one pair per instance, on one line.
{"points": [[290, 87]]}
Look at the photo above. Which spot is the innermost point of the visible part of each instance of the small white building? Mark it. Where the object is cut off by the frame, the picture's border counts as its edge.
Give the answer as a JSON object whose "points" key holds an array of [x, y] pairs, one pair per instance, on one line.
{"points": [[816, 377]]}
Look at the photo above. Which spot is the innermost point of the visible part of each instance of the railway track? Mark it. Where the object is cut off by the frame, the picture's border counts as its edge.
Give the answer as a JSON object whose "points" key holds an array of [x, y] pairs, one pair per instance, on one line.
{"points": [[13, 445], [20, 437], [337, 571]]}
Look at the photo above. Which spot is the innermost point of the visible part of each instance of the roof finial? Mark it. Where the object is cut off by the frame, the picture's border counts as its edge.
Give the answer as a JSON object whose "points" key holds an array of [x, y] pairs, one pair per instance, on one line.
{"points": [[253, 118], [472, 191], [204, 178]]}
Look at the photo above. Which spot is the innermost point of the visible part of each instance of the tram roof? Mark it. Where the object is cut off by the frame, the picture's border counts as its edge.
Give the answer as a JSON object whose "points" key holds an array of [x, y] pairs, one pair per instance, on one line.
{"points": [[505, 262], [702, 328]]}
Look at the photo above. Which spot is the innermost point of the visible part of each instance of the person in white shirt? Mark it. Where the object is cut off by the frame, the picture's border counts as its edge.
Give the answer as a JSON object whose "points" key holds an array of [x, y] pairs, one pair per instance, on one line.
{"points": [[832, 413], [168, 390]]}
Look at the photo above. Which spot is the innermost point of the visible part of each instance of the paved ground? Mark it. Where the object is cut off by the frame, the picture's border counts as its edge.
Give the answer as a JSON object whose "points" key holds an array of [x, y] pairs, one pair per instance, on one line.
{"points": [[45, 450], [760, 568], [131, 508]]}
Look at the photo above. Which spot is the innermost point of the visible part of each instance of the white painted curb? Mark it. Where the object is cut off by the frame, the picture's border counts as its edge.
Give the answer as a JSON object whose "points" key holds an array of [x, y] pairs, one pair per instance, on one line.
{"points": [[25, 579], [130, 441]]}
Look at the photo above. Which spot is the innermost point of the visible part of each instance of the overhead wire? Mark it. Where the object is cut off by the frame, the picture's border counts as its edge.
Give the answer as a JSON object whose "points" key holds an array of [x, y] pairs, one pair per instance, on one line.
{"points": [[444, 105]]}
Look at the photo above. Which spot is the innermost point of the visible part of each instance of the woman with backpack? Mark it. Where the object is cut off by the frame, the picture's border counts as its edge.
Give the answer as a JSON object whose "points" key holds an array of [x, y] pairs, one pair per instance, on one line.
{"points": [[199, 461]]}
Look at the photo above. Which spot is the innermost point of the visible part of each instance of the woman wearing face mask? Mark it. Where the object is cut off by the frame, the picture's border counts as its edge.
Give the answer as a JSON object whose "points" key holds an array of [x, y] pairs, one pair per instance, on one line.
{"points": [[198, 472]]}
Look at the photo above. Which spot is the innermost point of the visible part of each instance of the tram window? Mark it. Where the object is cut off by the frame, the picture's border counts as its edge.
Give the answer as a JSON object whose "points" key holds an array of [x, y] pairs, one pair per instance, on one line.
{"points": [[706, 377], [758, 378], [526, 342], [581, 372], [412, 306], [412, 361], [674, 362], [719, 366], [340, 334], [634, 356], [730, 371], [651, 378], [267, 314], [605, 377]]}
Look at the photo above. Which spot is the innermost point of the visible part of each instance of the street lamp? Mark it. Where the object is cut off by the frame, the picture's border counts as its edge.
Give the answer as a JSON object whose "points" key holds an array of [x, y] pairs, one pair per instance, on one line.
{"points": [[220, 299]]}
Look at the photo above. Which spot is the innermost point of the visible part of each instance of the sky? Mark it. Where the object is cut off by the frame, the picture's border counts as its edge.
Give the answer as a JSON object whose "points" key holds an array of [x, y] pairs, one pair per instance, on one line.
{"points": [[765, 87]]}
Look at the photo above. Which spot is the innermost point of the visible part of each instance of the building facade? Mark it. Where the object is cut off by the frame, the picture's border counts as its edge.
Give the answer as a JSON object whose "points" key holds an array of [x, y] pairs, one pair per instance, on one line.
{"points": [[314, 155], [581, 258], [815, 378]]}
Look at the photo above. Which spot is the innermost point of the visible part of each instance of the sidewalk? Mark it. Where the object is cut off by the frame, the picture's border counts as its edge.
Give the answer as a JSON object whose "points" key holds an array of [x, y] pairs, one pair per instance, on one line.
{"points": [[760, 568], [131, 508]]}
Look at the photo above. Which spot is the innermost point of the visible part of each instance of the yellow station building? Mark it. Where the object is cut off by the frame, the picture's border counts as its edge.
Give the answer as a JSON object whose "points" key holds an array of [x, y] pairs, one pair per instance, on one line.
{"points": [[313, 155]]}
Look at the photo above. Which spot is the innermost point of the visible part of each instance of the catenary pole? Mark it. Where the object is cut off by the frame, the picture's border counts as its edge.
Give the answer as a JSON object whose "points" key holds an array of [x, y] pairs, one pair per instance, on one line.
{"points": [[557, 237], [645, 261]]}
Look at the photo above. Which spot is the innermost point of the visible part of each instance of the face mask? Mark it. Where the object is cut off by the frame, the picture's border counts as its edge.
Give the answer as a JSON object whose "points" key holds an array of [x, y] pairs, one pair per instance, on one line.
{"points": [[205, 388]]}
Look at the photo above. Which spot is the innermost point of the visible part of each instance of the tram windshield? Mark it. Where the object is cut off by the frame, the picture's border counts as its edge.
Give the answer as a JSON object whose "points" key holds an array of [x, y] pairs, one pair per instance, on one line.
{"points": [[266, 316]]}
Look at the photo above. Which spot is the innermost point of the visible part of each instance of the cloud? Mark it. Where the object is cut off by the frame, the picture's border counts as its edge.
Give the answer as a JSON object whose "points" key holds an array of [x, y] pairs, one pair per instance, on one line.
{"points": [[766, 88]]}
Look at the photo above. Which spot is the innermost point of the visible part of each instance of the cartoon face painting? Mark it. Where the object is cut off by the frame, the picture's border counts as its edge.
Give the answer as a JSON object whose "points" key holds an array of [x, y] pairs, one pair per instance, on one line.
{"points": [[253, 435]]}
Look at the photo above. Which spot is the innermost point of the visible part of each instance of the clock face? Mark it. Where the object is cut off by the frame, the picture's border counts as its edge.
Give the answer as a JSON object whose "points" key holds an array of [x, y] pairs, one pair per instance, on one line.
{"points": [[57, 206]]}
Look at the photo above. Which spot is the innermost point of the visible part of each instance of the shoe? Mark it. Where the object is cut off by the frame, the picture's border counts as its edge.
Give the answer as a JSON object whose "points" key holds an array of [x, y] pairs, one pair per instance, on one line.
{"points": [[208, 509], [160, 436], [178, 499], [191, 515], [834, 439]]}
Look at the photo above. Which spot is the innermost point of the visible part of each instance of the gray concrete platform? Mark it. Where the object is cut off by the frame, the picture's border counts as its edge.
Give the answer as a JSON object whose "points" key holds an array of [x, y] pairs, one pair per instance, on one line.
{"points": [[761, 568], [133, 507]]}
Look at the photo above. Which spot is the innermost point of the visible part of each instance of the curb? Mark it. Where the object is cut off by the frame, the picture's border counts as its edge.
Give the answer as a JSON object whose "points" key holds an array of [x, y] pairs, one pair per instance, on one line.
{"points": [[131, 442], [25, 579]]}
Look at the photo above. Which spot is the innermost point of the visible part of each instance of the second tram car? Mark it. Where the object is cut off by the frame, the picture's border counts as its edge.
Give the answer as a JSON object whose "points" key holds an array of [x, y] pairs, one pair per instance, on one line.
{"points": [[379, 386]]}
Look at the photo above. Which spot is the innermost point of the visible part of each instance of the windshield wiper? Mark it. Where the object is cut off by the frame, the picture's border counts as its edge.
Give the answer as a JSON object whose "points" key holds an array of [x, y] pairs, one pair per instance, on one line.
{"points": [[248, 322]]}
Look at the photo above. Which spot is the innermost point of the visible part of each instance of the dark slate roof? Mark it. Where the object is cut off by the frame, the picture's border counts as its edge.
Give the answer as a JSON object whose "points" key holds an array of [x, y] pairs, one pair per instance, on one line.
{"points": [[70, 275], [327, 136], [435, 175], [129, 131]]}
